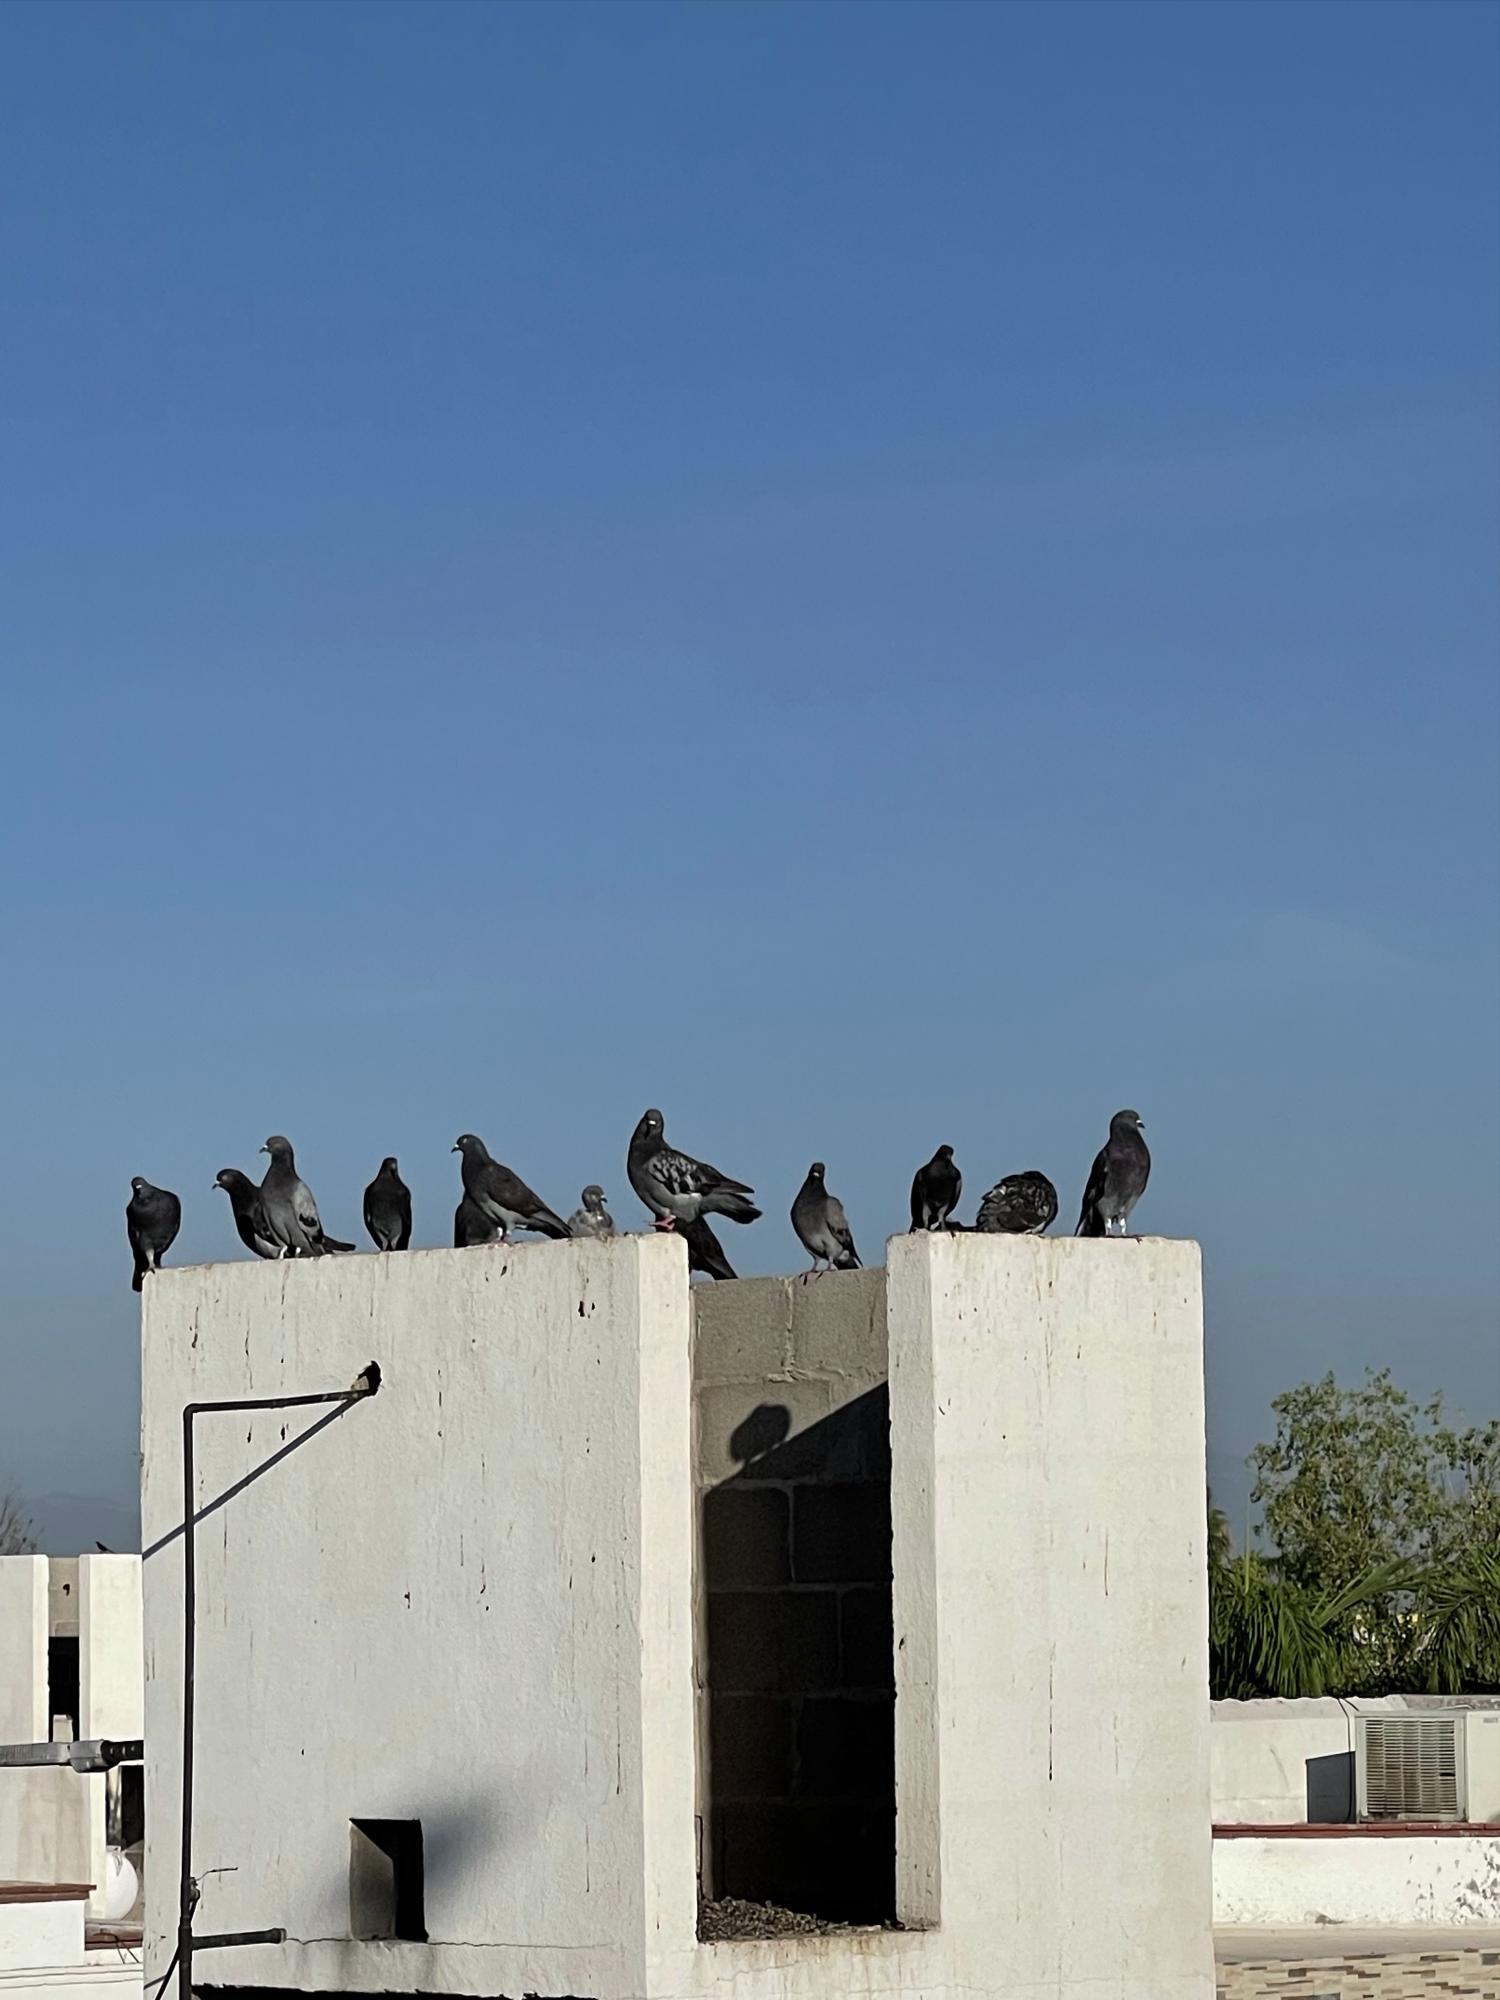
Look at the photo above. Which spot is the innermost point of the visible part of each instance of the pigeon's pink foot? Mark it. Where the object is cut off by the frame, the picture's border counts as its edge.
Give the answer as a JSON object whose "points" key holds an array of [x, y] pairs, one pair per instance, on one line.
{"points": [[665, 1222]]}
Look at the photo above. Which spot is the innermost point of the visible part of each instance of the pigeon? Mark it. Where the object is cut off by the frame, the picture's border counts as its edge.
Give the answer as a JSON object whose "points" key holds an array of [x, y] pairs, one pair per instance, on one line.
{"points": [[677, 1188], [1117, 1179], [705, 1251], [249, 1215], [935, 1191], [501, 1196], [153, 1217], [1020, 1205], [821, 1224], [593, 1219], [388, 1208], [288, 1206], [472, 1226]]}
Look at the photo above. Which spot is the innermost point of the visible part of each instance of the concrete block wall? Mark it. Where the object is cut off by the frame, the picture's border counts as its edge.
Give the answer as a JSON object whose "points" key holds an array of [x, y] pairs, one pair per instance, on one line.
{"points": [[795, 1674]]}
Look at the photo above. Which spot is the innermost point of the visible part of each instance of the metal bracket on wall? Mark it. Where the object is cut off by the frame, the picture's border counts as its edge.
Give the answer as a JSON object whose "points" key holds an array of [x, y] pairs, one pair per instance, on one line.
{"points": [[365, 1385]]}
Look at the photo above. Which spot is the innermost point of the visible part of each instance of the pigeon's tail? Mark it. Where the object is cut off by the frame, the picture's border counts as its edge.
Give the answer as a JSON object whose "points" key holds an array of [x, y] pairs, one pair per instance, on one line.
{"points": [[732, 1205], [705, 1252], [1089, 1223], [137, 1276], [847, 1260], [548, 1224], [333, 1243]]}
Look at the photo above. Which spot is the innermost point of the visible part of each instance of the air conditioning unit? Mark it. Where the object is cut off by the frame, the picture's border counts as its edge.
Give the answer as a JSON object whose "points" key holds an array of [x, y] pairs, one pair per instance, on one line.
{"points": [[1428, 1766]]}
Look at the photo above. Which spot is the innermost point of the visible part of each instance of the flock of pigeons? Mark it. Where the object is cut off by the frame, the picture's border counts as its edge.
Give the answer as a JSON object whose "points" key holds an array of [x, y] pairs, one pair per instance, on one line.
{"points": [[279, 1218]]}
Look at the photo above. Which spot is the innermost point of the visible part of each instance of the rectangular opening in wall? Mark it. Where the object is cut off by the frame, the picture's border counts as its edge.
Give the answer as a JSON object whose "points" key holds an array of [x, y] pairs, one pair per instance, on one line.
{"points": [[386, 1898], [795, 1664], [62, 1688]]}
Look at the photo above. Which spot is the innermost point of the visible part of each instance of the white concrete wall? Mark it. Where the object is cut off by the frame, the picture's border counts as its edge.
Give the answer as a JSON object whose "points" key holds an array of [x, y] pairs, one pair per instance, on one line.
{"points": [[467, 1601], [41, 1934], [111, 1675], [1262, 1751], [23, 1650], [470, 1601], [1051, 1604], [1364, 1880], [42, 1952]]}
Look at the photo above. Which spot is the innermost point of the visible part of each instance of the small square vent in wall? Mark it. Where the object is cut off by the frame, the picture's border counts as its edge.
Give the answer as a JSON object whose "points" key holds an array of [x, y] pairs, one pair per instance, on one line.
{"points": [[386, 1898]]}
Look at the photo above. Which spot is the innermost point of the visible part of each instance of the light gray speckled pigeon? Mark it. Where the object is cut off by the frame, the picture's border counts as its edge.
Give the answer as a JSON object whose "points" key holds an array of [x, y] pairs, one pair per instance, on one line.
{"points": [[593, 1219]]}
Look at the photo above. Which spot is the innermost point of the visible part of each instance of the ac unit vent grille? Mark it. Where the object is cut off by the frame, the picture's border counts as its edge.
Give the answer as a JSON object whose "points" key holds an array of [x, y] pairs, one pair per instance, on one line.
{"points": [[1411, 1767]]}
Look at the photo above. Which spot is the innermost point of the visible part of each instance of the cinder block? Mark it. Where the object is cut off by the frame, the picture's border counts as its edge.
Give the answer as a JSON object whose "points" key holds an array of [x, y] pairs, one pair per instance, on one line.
{"points": [[838, 1326], [775, 1642], [867, 1651], [741, 1425], [842, 1534], [742, 1332], [846, 1856], [746, 1536], [846, 1748], [755, 1855], [751, 1740]]}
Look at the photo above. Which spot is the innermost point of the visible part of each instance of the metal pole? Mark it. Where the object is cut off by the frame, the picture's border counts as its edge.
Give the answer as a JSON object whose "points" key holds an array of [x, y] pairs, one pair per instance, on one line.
{"points": [[187, 1897], [367, 1384]]}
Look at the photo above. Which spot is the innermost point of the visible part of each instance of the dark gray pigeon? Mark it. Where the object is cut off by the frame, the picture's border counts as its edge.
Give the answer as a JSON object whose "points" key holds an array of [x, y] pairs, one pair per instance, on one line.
{"points": [[388, 1208], [249, 1217], [1020, 1205], [501, 1196], [153, 1217], [593, 1219], [821, 1224], [471, 1226], [1117, 1179], [705, 1251], [935, 1190], [677, 1188], [287, 1203]]}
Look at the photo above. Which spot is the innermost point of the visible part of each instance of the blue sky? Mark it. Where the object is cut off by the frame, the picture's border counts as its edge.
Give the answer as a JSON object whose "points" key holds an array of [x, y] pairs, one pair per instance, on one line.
{"points": [[870, 575]]}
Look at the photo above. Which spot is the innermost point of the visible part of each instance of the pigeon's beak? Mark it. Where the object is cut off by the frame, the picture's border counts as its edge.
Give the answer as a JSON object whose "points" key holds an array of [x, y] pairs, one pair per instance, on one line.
{"points": [[455, 1149]]}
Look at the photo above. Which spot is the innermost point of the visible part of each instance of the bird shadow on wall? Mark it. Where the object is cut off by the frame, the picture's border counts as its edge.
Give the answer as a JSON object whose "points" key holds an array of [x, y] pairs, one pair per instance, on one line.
{"points": [[330, 1416]]}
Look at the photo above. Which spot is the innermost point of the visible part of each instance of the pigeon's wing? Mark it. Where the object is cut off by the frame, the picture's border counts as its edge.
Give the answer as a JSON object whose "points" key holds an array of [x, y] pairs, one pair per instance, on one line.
{"points": [[680, 1173], [511, 1193], [838, 1227], [138, 1251], [306, 1209], [1088, 1217]]}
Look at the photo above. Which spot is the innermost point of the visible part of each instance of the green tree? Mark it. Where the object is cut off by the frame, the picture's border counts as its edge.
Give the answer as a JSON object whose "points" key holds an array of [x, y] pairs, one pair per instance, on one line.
{"points": [[1359, 1479]]}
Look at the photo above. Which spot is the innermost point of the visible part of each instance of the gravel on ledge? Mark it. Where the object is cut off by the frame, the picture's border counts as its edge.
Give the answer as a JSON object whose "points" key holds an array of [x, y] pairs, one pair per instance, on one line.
{"points": [[731, 1919]]}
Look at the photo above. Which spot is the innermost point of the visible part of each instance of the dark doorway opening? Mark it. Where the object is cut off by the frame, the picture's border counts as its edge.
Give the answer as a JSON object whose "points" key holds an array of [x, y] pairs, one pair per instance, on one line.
{"points": [[799, 1674], [386, 1898]]}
